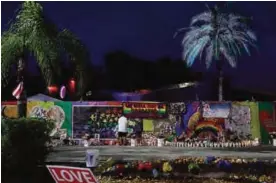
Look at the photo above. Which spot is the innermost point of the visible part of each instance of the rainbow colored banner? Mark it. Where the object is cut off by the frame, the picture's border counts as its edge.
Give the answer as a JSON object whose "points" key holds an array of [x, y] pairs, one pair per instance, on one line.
{"points": [[144, 109]]}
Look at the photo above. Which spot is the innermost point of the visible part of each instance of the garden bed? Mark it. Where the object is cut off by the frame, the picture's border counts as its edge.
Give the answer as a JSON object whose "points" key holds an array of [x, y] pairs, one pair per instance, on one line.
{"points": [[184, 169], [185, 180]]}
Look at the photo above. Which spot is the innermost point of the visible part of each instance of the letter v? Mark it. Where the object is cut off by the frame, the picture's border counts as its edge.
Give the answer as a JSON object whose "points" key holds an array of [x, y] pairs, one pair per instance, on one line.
{"points": [[77, 175]]}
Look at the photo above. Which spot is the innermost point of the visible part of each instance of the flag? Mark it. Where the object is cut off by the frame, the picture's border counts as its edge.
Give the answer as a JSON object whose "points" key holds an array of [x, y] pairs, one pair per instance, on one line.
{"points": [[18, 90]]}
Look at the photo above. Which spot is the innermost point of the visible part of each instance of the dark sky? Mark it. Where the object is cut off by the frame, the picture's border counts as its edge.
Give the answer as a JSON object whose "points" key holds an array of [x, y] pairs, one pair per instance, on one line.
{"points": [[145, 30]]}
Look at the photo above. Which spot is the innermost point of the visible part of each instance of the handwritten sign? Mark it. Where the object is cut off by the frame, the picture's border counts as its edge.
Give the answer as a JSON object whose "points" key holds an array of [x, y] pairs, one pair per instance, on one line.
{"points": [[144, 109], [266, 115]]}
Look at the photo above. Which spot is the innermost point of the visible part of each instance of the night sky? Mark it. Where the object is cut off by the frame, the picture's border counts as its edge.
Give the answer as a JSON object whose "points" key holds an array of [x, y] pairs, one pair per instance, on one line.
{"points": [[145, 30]]}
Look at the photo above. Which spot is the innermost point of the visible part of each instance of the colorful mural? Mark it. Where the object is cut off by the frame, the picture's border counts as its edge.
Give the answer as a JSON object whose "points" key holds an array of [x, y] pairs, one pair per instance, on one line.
{"points": [[60, 112], [197, 119], [191, 117], [267, 120], [216, 109], [254, 118], [208, 126], [100, 118], [239, 120], [9, 109], [195, 125]]}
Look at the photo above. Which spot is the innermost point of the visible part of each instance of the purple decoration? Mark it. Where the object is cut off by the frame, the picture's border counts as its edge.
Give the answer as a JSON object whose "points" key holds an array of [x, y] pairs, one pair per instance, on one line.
{"points": [[209, 159], [224, 165], [155, 173], [62, 92]]}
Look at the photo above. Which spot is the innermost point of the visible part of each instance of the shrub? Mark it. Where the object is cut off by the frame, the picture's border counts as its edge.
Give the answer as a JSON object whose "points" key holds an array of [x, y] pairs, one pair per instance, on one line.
{"points": [[24, 147]]}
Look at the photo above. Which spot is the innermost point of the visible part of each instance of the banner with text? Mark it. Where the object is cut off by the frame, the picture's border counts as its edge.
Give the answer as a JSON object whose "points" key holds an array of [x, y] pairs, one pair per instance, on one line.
{"points": [[144, 110]]}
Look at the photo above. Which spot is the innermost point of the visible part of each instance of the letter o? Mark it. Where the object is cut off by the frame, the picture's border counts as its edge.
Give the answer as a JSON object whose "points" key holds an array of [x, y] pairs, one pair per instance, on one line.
{"points": [[68, 177]]}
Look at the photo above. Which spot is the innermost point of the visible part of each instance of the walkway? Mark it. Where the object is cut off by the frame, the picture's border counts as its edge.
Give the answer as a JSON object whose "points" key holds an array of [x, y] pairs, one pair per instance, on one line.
{"points": [[77, 154]]}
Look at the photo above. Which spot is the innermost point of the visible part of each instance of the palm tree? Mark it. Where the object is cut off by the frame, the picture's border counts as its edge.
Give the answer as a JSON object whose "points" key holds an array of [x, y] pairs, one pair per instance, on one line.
{"points": [[218, 36], [33, 34]]}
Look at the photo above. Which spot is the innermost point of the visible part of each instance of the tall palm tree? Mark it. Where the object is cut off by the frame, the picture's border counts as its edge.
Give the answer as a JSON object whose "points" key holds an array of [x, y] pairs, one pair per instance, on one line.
{"points": [[218, 36], [32, 33]]}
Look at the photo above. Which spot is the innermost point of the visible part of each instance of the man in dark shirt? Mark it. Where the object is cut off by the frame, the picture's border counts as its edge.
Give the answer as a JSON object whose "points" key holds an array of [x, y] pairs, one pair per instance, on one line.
{"points": [[138, 132]]}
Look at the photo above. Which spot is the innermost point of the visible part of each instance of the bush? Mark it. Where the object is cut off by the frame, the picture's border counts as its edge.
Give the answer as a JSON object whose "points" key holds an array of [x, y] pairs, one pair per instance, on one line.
{"points": [[24, 147]]}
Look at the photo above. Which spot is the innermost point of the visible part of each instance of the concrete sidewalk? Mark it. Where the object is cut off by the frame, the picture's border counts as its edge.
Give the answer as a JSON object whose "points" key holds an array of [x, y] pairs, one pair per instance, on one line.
{"points": [[77, 153]]}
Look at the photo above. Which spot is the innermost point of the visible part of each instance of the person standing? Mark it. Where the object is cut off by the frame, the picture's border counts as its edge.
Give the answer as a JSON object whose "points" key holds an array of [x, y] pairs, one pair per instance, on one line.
{"points": [[138, 132], [122, 130]]}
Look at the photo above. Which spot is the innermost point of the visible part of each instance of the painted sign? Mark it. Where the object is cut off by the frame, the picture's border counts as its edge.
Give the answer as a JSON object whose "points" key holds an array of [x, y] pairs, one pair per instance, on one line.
{"points": [[59, 112], [216, 109], [9, 109], [267, 116], [66, 174], [95, 119], [144, 110], [267, 121]]}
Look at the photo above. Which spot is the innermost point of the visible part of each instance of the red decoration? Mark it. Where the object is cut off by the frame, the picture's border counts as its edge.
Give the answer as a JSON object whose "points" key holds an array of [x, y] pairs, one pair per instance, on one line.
{"points": [[52, 89], [140, 166], [72, 85], [120, 167], [145, 91], [148, 165], [144, 166]]}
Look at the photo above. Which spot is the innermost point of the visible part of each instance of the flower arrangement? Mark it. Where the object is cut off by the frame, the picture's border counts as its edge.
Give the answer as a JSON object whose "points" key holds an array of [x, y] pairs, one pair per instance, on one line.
{"points": [[193, 168], [238, 169]]}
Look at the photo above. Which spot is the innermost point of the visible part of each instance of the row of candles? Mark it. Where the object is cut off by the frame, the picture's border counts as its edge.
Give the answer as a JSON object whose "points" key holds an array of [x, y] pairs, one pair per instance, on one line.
{"points": [[248, 143], [161, 142]]}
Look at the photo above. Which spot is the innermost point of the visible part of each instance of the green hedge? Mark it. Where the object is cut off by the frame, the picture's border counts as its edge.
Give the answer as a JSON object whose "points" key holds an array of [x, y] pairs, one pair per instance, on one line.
{"points": [[23, 147]]}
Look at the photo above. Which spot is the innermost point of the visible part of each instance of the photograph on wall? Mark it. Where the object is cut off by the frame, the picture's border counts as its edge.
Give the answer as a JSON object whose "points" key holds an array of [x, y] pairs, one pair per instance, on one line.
{"points": [[176, 108], [95, 120], [59, 112], [216, 109]]}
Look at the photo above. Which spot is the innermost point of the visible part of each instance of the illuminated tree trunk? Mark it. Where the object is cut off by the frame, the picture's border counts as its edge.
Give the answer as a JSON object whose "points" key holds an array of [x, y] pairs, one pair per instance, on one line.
{"points": [[220, 81], [220, 86], [216, 50]]}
